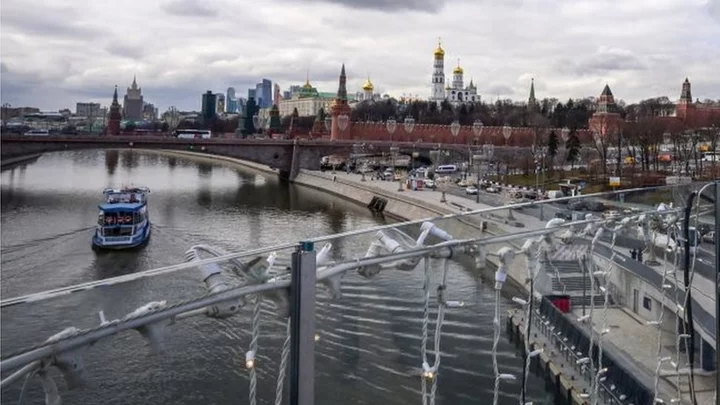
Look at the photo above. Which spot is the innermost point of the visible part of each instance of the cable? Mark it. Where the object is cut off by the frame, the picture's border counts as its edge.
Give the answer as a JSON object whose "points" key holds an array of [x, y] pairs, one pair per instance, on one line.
{"points": [[283, 365]]}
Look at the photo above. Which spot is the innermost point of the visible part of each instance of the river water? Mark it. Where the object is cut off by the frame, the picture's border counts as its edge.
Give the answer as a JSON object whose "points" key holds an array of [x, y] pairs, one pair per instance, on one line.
{"points": [[369, 339]]}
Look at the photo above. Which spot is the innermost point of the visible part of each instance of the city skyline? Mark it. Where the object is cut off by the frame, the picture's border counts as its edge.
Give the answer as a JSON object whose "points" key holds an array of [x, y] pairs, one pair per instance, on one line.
{"points": [[571, 48]]}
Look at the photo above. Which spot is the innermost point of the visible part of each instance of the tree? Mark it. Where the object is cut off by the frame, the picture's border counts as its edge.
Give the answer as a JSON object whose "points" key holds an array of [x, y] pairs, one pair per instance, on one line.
{"points": [[573, 148], [552, 145]]}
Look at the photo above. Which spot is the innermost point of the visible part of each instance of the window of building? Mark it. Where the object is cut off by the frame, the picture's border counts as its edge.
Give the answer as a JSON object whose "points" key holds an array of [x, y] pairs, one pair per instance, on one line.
{"points": [[647, 303]]}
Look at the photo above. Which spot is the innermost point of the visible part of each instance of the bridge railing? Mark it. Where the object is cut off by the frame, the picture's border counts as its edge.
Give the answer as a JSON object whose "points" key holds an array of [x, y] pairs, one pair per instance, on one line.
{"points": [[286, 276]]}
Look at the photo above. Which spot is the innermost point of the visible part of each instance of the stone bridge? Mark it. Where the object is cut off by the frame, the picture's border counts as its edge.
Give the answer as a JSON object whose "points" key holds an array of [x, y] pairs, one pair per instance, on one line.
{"points": [[287, 156]]}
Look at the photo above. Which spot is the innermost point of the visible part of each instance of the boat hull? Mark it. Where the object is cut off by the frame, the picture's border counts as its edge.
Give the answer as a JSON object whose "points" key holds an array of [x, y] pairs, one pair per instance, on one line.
{"points": [[138, 240]]}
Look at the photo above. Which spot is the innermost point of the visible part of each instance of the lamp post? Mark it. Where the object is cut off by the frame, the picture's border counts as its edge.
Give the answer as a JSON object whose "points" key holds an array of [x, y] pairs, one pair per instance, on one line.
{"points": [[478, 127], [540, 154], [455, 129], [409, 125], [507, 131], [391, 126]]}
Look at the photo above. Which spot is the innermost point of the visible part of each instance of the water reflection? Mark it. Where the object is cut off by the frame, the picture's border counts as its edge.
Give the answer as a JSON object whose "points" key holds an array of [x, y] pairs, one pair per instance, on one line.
{"points": [[129, 159], [172, 162], [111, 161]]}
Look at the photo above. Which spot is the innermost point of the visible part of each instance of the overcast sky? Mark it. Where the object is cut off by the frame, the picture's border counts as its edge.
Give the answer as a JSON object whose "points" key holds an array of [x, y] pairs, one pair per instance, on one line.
{"points": [[58, 52]]}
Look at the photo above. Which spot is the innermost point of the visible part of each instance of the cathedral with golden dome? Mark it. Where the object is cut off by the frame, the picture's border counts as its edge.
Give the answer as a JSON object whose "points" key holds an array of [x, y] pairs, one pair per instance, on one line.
{"points": [[455, 92], [367, 93]]}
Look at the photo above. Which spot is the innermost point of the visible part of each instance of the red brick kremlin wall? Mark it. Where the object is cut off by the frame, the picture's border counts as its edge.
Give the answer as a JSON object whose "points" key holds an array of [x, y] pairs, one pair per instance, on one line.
{"points": [[520, 136]]}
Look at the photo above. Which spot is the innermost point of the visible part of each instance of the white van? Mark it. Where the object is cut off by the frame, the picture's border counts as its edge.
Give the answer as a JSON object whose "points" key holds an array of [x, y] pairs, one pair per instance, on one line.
{"points": [[446, 169]]}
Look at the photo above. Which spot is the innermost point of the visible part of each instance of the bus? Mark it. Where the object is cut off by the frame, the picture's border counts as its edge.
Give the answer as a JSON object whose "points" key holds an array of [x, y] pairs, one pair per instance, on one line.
{"points": [[192, 134]]}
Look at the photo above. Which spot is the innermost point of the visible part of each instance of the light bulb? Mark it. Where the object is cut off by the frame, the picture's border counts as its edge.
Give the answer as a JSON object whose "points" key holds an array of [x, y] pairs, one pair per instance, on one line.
{"points": [[507, 377], [250, 359], [317, 337], [519, 300]]}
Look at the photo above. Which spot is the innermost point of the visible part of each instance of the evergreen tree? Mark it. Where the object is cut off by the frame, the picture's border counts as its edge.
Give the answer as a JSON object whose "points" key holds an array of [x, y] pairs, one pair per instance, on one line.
{"points": [[552, 145], [573, 148]]}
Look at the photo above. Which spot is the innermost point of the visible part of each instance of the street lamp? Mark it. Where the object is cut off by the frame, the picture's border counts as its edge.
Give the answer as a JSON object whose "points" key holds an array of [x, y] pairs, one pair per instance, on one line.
{"points": [[507, 131], [409, 124], [455, 129], [391, 126], [539, 166], [393, 151], [477, 128]]}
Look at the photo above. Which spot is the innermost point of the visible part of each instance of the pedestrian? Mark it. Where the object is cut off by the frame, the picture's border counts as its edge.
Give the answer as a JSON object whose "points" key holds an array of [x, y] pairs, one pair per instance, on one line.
{"points": [[640, 252], [633, 254]]}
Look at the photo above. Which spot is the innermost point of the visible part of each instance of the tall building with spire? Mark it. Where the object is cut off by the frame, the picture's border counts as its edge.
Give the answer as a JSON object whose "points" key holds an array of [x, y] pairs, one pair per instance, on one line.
{"points": [[532, 102], [340, 108], [133, 102], [438, 77], [114, 116]]}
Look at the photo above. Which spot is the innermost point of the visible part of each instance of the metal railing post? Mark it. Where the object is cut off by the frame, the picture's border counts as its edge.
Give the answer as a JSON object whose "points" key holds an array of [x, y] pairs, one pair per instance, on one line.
{"points": [[302, 326]]}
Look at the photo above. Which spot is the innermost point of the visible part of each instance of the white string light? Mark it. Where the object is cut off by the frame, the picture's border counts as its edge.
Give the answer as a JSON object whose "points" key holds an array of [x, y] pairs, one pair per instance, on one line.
{"points": [[506, 256], [283, 365], [250, 355], [659, 321]]}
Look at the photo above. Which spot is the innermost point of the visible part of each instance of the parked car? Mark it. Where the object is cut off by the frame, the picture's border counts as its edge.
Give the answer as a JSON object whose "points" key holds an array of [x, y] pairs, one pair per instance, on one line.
{"points": [[595, 206], [709, 237], [462, 183], [471, 190], [576, 205], [566, 215], [611, 214], [429, 183]]}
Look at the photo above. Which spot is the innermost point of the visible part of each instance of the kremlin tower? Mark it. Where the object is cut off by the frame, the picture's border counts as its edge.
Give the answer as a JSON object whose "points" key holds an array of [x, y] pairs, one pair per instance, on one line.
{"points": [[340, 107], [114, 116]]}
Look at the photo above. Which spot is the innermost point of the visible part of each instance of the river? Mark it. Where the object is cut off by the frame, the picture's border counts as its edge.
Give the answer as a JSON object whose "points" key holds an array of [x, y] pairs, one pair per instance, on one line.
{"points": [[369, 339]]}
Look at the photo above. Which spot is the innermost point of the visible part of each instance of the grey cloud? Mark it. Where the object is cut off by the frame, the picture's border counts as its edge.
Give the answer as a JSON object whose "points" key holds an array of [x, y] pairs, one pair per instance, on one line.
{"points": [[189, 8], [389, 5], [56, 22], [3, 67], [498, 90], [602, 62], [126, 50]]}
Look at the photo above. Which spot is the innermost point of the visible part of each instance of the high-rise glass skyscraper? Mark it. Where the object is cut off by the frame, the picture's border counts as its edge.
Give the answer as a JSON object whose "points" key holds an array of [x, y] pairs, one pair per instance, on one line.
{"points": [[209, 106], [263, 94], [231, 102]]}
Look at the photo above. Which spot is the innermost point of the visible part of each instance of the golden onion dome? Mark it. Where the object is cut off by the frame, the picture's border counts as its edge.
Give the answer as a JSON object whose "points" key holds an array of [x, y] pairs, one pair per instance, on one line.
{"points": [[307, 85], [458, 70], [368, 86], [439, 52]]}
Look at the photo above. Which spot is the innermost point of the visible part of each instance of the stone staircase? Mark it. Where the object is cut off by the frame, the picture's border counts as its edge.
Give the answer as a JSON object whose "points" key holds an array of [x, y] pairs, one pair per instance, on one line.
{"points": [[573, 282]]}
